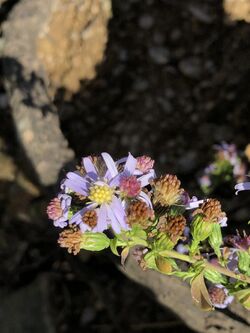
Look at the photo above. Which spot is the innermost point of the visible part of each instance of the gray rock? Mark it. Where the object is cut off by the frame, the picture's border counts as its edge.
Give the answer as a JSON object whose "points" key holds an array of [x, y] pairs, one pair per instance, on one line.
{"points": [[34, 116], [146, 22], [159, 55], [27, 309], [191, 67]]}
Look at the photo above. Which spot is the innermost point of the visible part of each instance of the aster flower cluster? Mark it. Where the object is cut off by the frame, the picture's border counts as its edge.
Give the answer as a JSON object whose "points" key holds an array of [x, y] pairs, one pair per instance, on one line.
{"points": [[228, 166], [123, 205]]}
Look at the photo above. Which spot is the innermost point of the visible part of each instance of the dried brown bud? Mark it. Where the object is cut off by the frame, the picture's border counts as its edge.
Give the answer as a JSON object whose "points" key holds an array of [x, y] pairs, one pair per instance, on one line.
{"points": [[167, 190], [217, 295], [71, 239], [90, 218], [139, 213], [211, 211], [173, 225]]}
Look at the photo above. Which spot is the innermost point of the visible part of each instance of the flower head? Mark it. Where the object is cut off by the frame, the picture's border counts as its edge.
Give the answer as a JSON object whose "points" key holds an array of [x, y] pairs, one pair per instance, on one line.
{"points": [[167, 190], [139, 213], [71, 239], [174, 226], [144, 163], [238, 242], [58, 210], [106, 186], [242, 187], [219, 296], [211, 212], [130, 186]]}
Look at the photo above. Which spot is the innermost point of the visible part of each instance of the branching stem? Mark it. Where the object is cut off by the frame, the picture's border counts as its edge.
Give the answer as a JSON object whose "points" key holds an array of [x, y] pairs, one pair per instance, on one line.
{"points": [[192, 260]]}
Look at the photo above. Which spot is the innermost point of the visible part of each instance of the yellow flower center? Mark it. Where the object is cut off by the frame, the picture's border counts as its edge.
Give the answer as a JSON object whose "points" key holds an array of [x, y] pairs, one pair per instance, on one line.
{"points": [[101, 194]]}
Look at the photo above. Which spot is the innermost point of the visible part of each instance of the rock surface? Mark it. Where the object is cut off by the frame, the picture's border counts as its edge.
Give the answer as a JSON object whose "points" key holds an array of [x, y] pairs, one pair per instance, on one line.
{"points": [[27, 310]]}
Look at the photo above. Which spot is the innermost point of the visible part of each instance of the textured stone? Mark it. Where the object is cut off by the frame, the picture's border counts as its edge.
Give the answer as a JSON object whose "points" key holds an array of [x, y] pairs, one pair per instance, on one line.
{"points": [[27, 309], [237, 9], [34, 115]]}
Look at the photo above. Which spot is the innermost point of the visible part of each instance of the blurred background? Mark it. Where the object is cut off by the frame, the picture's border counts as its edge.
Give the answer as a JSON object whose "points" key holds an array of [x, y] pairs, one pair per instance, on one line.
{"points": [[167, 78]]}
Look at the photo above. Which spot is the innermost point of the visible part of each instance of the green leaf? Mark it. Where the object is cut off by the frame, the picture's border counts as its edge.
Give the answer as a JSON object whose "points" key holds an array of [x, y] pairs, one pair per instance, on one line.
{"points": [[113, 246], [215, 239], [184, 275], [163, 243], [200, 294], [244, 262], [150, 260], [214, 276], [243, 296]]}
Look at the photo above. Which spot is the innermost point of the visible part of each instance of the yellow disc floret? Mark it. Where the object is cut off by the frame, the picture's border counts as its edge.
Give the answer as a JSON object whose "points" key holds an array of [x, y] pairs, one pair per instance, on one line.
{"points": [[101, 194]]}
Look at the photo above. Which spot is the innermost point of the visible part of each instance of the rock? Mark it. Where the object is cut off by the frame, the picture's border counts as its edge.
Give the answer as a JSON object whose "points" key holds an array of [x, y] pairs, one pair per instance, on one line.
{"points": [[175, 295], [146, 22], [72, 41], [191, 67], [159, 55], [33, 113], [237, 9], [201, 13], [27, 309], [3, 101], [7, 169]]}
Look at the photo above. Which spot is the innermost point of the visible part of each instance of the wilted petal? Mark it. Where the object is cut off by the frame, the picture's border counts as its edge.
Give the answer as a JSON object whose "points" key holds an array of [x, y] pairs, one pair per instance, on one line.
{"points": [[193, 203], [144, 197], [242, 187], [146, 178]]}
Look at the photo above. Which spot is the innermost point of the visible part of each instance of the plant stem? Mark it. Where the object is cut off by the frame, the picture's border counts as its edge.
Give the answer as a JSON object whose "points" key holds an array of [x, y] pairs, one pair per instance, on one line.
{"points": [[192, 260]]}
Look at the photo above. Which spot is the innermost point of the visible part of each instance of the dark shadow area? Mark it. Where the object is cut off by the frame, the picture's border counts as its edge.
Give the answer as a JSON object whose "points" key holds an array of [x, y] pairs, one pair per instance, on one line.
{"points": [[173, 82]]}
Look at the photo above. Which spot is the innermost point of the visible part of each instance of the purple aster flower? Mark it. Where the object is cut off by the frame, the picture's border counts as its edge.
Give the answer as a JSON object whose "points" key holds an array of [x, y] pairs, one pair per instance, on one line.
{"points": [[103, 192], [219, 296], [238, 242], [58, 210], [242, 187]]}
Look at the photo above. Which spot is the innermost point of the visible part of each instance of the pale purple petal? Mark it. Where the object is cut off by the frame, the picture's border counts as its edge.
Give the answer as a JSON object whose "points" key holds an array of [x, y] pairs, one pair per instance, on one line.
{"points": [[193, 203], [119, 212], [144, 197], [88, 165], [130, 165], [102, 223], [146, 178], [223, 222], [77, 217], [113, 220], [76, 183], [242, 187], [116, 180], [112, 169], [84, 227]]}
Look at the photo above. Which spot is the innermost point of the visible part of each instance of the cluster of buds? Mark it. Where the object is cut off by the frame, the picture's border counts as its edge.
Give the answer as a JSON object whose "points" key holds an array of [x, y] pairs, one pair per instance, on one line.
{"points": [[122, 205], [228, 166]]}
